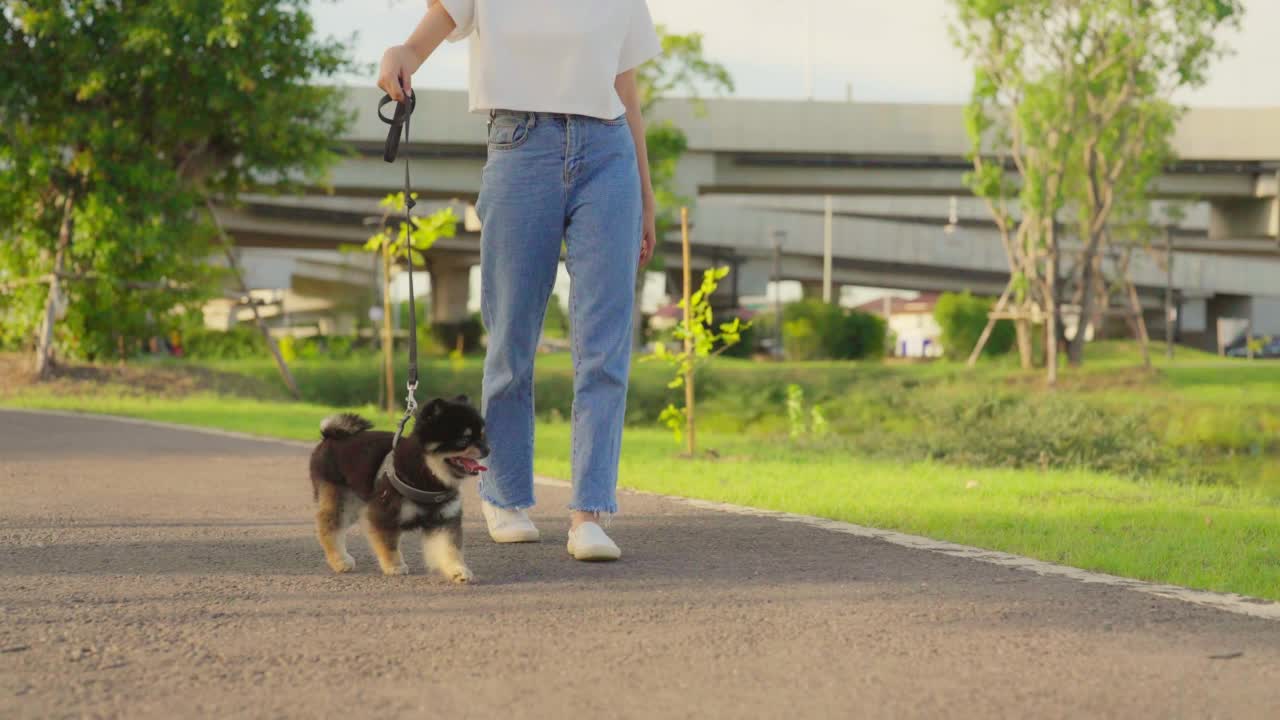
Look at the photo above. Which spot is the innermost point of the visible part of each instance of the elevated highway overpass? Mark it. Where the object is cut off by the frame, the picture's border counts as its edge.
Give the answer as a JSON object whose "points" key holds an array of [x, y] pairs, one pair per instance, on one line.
{"points": [[891, 168], [1228, 157]]}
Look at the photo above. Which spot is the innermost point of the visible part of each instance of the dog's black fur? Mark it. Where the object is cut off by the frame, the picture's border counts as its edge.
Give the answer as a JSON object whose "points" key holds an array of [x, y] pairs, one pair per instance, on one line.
{"points": [[438, 455]]}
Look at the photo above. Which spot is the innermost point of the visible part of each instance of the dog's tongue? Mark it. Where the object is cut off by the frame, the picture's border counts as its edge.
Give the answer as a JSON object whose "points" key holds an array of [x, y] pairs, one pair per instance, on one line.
{"points": [[470, 465]]}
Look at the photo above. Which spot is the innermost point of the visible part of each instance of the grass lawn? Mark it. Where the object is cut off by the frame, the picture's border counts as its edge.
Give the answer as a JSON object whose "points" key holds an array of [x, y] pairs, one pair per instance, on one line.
{"points": [[1216, 538]]}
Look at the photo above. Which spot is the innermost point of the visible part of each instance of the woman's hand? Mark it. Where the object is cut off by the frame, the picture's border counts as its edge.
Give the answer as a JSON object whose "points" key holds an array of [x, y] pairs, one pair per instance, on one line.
{"points": [[648, 233], [396, 73], [400, 62]]}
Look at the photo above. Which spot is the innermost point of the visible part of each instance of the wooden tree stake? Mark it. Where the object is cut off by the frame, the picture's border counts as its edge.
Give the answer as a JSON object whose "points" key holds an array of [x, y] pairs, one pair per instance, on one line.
{"points": [[688, 325]]}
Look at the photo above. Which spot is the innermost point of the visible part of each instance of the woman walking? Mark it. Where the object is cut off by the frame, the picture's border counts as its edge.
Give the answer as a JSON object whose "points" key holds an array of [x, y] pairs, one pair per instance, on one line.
{"points": [[567, 162]]}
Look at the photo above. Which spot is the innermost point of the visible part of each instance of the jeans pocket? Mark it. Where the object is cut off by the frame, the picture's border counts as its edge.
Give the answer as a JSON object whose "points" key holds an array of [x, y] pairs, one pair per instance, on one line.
{"points": [[508, 132]]}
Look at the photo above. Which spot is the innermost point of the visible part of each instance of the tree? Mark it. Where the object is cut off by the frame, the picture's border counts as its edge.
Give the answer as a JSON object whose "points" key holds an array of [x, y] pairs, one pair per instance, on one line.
{"points": [[120, 120], [683, 69], [426, 230], [701, 340], [414, 242], [1075, 96]]}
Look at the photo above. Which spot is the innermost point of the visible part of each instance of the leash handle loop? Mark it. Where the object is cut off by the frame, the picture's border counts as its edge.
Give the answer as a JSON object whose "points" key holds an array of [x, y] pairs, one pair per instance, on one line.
{"points": [[400, 117]]}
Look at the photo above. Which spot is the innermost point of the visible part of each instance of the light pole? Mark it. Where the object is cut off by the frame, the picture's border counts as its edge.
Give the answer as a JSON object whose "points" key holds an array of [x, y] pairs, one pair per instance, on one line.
{"points": [[1169, 315], [778, 237], [826, 250], [953, 219]]}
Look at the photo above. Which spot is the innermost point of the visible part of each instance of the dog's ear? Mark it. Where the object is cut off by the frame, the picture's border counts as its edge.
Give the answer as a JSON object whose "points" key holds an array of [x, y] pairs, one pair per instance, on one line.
{"points": [[431, 409], [463, 400]]}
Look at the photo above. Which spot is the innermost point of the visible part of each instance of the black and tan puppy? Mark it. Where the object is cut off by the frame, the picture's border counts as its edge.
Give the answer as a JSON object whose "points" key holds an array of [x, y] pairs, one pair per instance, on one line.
{"points": [[437, 456]]}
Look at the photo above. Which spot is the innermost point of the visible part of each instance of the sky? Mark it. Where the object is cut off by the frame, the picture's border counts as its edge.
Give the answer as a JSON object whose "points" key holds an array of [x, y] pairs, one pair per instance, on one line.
{"points": [[871, 50]]}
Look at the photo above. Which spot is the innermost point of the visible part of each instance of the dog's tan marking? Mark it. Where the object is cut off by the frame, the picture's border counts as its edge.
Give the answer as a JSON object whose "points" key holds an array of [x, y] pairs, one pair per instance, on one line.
{"points": [[442, 471], [441, 552], [335, 512], [386, 545]]}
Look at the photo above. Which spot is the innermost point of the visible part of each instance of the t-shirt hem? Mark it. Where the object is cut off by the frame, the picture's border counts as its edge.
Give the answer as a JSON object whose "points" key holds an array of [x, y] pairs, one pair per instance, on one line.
{"points": [[644, 58]]}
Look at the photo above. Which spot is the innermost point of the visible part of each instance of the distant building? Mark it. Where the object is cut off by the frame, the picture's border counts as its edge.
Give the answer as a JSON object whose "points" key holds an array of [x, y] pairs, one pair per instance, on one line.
{"points": [[911, 325]]}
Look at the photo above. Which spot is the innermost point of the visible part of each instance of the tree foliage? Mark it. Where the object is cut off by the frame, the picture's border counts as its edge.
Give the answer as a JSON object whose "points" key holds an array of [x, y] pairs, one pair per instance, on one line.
{"points": [[961, 317], [706, 339], [815, 330], [1076, 97], [427, 230], [681, 69], [127, 116]]}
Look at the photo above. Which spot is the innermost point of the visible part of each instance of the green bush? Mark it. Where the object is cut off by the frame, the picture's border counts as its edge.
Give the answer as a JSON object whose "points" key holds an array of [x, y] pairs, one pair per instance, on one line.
{"points": [[244, 342], [814, 330], [238, 343], [932, 412], [1052, 430], [962, 318], [288, 346], [800, 339], [865, 336], [337, 347]]}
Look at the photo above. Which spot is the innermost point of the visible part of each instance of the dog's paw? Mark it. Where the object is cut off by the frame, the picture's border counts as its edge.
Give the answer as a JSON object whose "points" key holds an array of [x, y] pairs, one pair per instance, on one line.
{"points": [[342, 564], [400, 569], [461, 574]]}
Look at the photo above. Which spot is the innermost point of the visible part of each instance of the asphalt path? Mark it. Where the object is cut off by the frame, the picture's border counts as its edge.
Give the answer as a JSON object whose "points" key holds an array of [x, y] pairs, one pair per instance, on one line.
{"points": [[158, 572]]}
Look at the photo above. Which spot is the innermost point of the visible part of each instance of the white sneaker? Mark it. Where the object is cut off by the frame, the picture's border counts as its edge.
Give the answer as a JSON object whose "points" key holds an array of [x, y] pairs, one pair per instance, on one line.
{"points": [[588, 542], [508, 526]]}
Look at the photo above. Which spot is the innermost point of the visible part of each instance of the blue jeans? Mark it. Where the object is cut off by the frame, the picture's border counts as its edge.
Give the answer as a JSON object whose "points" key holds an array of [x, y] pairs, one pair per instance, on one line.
{"points": [[552, 177]]}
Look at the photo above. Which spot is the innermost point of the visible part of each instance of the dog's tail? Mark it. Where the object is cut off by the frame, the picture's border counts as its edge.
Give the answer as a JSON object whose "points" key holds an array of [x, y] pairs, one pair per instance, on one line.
{"points": [[343, 425]]}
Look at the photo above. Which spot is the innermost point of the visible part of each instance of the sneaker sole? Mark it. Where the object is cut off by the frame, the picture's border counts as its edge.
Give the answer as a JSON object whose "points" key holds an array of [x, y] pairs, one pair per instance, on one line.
{"points": [[602, 555], [516, 537]]}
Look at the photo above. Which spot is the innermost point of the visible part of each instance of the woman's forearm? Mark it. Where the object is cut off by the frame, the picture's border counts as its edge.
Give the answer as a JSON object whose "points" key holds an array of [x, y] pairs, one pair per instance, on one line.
{"points": [[400, 62], [625, 84], [427, 36]]}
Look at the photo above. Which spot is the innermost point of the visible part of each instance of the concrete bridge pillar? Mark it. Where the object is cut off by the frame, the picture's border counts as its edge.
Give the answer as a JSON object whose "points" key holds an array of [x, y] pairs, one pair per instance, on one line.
{"points": [[811, 290], [450, 285], [753, 276]]}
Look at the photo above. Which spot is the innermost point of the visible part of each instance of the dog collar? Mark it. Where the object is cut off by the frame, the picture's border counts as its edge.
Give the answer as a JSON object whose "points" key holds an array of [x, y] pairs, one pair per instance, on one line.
{"points": [[409, 492]]}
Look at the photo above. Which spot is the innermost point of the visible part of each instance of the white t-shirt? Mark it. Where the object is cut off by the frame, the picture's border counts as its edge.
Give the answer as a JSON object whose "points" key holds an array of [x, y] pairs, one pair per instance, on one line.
{"points": [[559, 56]]}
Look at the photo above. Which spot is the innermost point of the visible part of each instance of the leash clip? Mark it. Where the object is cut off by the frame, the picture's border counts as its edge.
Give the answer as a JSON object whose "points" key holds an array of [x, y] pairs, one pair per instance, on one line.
{"points": [[411, 402]]}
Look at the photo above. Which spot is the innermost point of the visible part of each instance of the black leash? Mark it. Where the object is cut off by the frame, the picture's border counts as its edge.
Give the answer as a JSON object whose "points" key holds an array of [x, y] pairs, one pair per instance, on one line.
{"points": [[389, 152]]}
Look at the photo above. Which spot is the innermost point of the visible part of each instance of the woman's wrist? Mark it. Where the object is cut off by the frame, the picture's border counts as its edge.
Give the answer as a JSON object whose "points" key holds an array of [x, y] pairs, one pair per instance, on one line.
{"points": [[416, 55]]}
